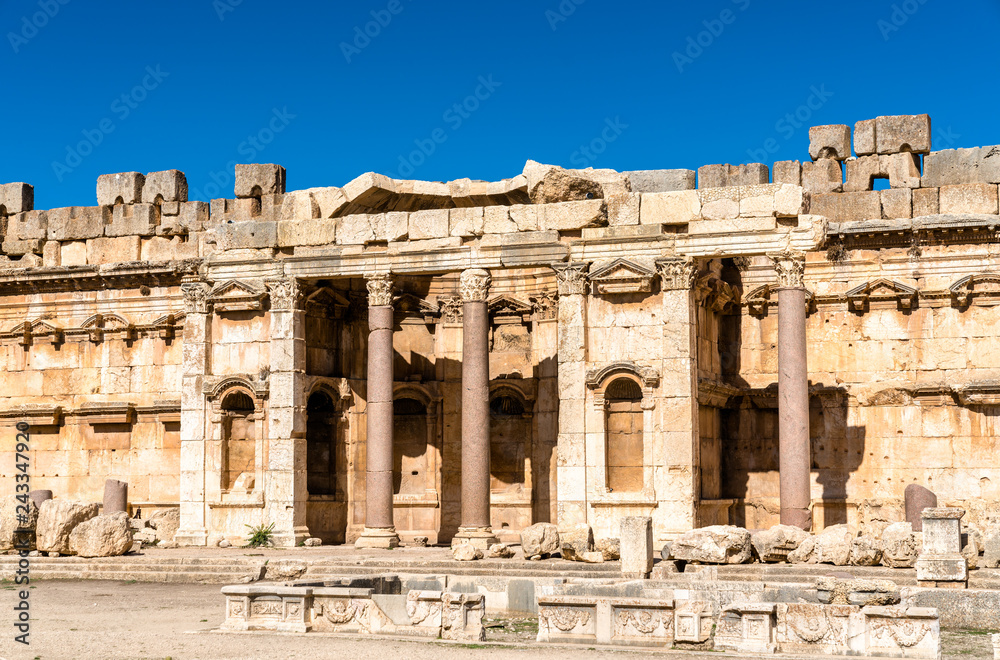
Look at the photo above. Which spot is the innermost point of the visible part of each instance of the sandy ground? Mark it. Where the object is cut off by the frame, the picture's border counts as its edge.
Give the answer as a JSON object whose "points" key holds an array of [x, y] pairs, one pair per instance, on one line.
{"points": [[112, 620]]}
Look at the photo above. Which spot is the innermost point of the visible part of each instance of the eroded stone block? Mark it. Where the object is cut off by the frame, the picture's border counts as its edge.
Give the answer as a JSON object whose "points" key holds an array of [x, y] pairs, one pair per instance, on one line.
{"points": [[653, 181], [166, 186], [77, 222], [255, 180], [956, 166], [831, 141], [897, 203], [254, 235], [16, 198], [899, 133], [292, 233], [969, 198], [120, 188], [636, 546], [428, 224], [673, 208], [846, 207], [822, 176], [788, 171], [925, 202], [133, 219], [112, 250]]}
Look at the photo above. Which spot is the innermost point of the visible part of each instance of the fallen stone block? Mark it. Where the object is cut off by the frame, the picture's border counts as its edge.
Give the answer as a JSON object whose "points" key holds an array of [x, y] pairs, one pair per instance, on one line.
{"points": [[718, 544], [258, 179], [832, 141], [548, 184], [540, 539], [902, 133], [466, 552], [575, 540], [165, 186], [899, 546], [120, 188], [775, 544], [636, 546], [837, 591], [499, 551], [56, 519], [865, 551], [610, 549], [106, 535], [833, 545], [16, 198], [10, 510], [166, 522], [284, 569]]}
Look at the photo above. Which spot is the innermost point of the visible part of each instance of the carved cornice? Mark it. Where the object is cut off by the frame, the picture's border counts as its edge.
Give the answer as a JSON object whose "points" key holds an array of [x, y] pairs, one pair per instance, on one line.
{"points": [[95, 278], [380, 289], [474, 285], [286, 294], [572, 278], [967, 288], [790, 268], [677, 273], [508, 309]]}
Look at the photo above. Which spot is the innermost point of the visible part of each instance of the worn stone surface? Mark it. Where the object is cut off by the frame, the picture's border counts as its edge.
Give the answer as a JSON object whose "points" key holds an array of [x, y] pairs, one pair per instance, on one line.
{"points": [[609, 548], [121, 188], [106, 535], [499, 551], [899, 133], [10, 522], [717, 544], [466, 552], [959, 166], [822, 176], [832, 141], [833, 545], [899, 546], [654, 181], [255, 180], [165, 522], [865, 551], [548, 184], [57, 519], [540, 539], [574, 540], [775, 544]]}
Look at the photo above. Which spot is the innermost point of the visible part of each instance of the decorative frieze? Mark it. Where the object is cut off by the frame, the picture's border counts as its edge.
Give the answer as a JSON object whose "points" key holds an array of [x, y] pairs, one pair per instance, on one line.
{"points": [[746, 628], [474, 285], [380, 289], [546, 306], [572, 278]]}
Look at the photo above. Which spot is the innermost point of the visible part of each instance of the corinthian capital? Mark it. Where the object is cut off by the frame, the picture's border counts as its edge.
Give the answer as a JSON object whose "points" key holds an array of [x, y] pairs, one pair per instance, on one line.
{"points": [[677, 273], [790, 267], [285, 294], [195, 297], [474, 285], [380, 289], [572, 278]]}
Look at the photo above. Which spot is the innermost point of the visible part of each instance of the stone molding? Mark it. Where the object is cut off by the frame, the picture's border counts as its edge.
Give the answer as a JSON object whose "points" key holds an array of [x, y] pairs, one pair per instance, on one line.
{"points": [[790, 268], [677, 273], [474, 285], [380, 289], [215, 388], [572, 278], [597, 377]]}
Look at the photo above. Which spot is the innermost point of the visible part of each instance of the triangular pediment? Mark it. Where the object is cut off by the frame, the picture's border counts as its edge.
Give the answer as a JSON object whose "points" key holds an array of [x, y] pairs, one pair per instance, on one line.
{"points": [[410, 305], [325, 301], [509, 306], [106, 322], [983, 284], [236, 296], [623, 276]]}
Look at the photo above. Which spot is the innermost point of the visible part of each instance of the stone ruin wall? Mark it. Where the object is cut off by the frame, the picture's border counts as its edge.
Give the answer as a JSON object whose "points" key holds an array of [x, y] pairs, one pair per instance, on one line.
{"points": [[900, 337]]}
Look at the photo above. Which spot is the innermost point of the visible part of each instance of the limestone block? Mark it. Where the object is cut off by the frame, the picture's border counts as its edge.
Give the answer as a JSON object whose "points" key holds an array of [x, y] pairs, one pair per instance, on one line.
{"points": [[133, 219], [548, 184], [636, 546], [112, 250], [322, 231], [832, 141], [28, 225], [897, 203], [16, 248], [623, 210], [713, 176], [865, 551], [540, 539], [805, 553], [253, 235], [775, 544], [299, 205], [575, 540], [255, 180], [9, 520], [499, 551], [790, 201], [847, 207], [721, 209], [166, 186], [862, 172], [899, 546], [718, 544], [16, 198], [526, 216], [466, 552], [390, 227], [833, 545], [56, 519], [654, 181], [428, 224], [925, 202], [969, 198], [466, 222], [864, 137], [901, 133], [902, 169], [671, 208], [121, 188], [822, 176], [610, 549], [788, 171], [750, 174], [165, 522], [76, 223], [570, 216], [107, 535], [957, 166], [73, 253], [163, 248]]}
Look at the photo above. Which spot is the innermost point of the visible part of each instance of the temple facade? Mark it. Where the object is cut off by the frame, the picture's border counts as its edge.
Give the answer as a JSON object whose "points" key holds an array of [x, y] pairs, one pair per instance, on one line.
{"points": [[394, 359]]}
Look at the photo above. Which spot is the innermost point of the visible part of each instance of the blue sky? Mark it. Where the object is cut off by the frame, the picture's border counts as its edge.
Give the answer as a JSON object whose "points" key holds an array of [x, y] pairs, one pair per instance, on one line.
{"points": [[447, 90]]}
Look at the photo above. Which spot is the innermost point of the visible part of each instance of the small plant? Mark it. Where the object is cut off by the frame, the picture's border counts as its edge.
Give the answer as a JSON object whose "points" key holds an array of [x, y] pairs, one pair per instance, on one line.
{"points": [[260, 536]]}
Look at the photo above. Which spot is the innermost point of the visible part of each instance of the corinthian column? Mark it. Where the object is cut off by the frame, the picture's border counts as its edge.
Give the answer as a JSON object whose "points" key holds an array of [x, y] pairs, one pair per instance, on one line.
{"points": [[380, 531], [475, 527], [794, 461]]}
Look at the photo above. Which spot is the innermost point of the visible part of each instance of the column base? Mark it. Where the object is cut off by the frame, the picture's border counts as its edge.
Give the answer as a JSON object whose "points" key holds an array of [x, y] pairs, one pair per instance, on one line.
{"points": [[378, 538], [191, 537], [479, 537]]}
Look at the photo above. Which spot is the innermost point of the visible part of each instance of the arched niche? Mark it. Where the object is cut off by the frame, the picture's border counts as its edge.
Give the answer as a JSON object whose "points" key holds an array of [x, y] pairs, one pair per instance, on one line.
{"points": [[240, 435]]}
